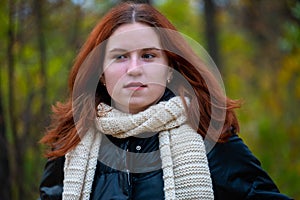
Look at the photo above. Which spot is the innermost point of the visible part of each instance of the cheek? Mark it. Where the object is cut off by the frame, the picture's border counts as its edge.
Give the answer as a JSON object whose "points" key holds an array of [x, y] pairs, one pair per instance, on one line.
{"points": [[113, 78], [158, 75]]}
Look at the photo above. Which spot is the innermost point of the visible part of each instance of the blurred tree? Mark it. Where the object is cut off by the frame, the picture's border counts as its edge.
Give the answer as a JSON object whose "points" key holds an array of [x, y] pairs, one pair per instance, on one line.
{"points": [[34, 63], [264, 68], [5, 173], [38, 10], [4, 156], [11, 87], [211, 31]]}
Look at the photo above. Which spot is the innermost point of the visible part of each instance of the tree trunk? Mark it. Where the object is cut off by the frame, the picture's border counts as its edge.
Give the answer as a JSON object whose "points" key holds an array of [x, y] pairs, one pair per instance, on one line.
{"points": [[39, 18], [74, 39], [211, 31], [4, 167], [11, 97]]}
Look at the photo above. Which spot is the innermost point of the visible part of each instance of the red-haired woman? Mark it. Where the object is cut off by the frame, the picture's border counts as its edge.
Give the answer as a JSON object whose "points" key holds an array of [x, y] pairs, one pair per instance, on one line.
{"points": [[146, 119]]}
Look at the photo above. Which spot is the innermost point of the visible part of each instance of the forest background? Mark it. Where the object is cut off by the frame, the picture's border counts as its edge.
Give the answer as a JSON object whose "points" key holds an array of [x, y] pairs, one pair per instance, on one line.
{"points": [[255, 44]]}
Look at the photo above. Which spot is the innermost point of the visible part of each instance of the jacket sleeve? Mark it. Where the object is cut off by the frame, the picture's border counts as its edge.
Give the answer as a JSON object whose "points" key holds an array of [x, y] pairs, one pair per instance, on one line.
{"points": [[51, 185], [237, 174]]}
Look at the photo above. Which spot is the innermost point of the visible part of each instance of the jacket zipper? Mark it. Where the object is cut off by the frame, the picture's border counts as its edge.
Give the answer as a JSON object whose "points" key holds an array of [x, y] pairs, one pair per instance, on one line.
{"points": [[127, 170]]}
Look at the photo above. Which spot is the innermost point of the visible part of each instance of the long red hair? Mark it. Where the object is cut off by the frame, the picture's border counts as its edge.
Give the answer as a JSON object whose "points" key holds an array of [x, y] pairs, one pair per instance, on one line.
{"points": [[79, 109]]}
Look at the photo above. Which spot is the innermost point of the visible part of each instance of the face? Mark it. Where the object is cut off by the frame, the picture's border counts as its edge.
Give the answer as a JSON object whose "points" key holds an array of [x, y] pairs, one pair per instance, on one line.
{"points": [[135, 68]]}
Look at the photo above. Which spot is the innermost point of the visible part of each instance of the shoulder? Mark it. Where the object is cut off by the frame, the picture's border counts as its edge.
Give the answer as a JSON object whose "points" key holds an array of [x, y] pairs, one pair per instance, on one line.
{"points": [[51, 184], [234, 151], [237, 173]]}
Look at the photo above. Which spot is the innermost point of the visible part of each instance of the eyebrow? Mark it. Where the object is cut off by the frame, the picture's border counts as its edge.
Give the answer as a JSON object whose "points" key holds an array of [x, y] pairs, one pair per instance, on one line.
{"points": [[151, 48], [143, 49], [117, 50]]}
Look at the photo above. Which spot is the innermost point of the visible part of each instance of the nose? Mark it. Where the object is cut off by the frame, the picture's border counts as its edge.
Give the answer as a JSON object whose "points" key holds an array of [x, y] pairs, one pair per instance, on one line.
{"points": [[134, 66]]}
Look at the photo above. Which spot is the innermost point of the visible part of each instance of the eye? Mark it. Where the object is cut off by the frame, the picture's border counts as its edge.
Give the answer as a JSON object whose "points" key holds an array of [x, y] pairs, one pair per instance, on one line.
{"points": [[120, 57], [148, 56]]}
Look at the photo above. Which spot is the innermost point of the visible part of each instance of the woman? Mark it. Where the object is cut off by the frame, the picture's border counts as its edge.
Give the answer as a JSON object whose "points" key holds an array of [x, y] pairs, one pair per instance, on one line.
{"points": [[143, 112]]}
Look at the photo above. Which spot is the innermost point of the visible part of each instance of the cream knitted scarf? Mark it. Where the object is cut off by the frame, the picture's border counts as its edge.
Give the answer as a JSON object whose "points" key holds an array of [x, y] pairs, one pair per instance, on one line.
{"points": [[185, 167]]}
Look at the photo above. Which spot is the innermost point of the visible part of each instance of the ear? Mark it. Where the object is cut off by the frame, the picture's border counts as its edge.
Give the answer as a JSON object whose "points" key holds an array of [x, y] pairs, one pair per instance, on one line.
{"points": [[170, 75]]}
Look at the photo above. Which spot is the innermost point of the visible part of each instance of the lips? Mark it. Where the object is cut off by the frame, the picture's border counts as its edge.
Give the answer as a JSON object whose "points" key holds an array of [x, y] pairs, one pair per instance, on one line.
{"points": [[135, 85]]}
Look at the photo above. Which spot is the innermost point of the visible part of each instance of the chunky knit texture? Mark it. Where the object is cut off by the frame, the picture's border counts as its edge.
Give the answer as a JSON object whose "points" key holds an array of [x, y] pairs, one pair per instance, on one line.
{"points": [[185, 167]]}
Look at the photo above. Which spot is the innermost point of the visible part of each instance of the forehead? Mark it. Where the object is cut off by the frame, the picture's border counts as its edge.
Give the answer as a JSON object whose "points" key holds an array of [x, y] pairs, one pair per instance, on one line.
{"points": [[134, 36]]}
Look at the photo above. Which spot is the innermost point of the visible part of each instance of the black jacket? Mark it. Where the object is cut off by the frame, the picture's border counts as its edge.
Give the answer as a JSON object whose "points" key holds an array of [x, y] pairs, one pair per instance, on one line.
{"points": [[235, 172]]}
